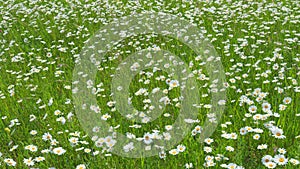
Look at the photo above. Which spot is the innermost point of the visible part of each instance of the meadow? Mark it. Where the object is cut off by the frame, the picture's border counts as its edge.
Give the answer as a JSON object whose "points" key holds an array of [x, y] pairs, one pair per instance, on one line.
{"points": [[247, 116]]}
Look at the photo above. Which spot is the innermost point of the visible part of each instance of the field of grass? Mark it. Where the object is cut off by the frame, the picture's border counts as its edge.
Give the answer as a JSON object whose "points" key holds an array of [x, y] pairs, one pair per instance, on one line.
{"points": [[42, 48]]}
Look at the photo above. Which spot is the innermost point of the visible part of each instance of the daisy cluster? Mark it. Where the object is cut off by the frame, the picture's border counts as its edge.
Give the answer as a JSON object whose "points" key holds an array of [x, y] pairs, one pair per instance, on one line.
{"points": [[258, 45]]}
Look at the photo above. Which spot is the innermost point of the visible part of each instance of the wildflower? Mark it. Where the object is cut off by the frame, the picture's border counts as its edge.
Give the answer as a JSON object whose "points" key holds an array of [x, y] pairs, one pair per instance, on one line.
{"points": [[10, 162], [229, 148], [287, 100], [28, 162], [208, 141], [256, 137], [207, 149], [270, 165], [147, 138], [46, 136], [266, 159], [280, 160], [252, 109], [243, 131], [281, 151], [162, 155], [59, 151], [173, 152], [81, 166], [181, 148]]}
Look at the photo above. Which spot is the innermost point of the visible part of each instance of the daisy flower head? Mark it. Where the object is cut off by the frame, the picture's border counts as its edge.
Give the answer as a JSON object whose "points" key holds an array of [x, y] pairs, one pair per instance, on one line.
{"points": [[266, 107], [181, 148], [188, 165], [209, 158], [81, 166], [280, 159], [266, 159], [252, 109], [10, 162], [47, 136], [162, 155], [282, 107], [243, 131], [262, 146], [147, 138], [270, 165], [173, 152], [256, 137], [208, 141], [207, 149], [39, 159], [128, 147], [59, 151], [33, 132], [198, 129], [28, 162], [287, 100], [281, 150], [174, 83], [231, 166], [277, 133], [294, 161], [229, 148]]}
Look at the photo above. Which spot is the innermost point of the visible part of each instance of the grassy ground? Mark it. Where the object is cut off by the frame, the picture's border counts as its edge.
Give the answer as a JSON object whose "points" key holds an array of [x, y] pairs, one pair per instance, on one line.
{"points": [[258, 43]]}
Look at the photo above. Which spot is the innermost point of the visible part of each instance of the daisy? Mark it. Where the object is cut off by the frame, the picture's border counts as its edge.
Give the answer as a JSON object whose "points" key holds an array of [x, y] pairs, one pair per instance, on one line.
{"points": [[81, 166], [229, 148], [47, 136], [278, 133], [249, 129], [188, 165], [280, 160], [58, 151], [287, 100], [270, 165], [281, 150], [282, 107], [194, 132], [209, 158], [57, 112], [39, 159], [49, 55], [28, 162], [266, 159], [174, 83], [181, 148], [231, 166], [256, 137], [147, 138], [111, 143], [262, 146], [173, 152], [162, 155], [208, 141], [167, 136], [207, 149], [105, 117], [31, 148], [266, 107], [243, 131], [252, 109], [128, 147], [10, 162], [233, 136], [33, 132], [294, 161], [168, 127]]}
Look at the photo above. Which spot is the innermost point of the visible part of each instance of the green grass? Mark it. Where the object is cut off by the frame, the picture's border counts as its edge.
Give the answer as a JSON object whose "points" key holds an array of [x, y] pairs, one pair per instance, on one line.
{"points": [[227, 28]]}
